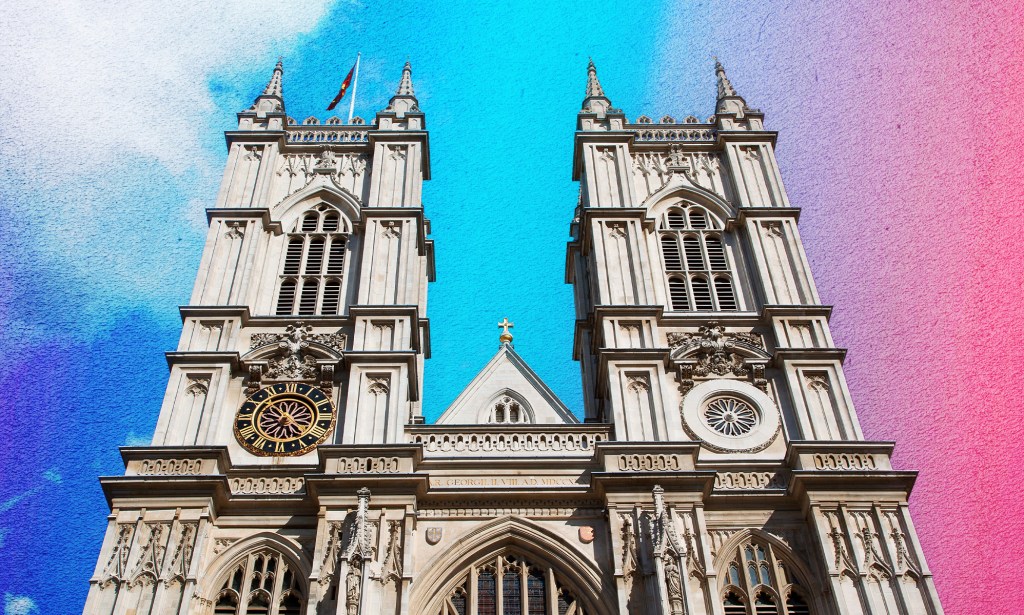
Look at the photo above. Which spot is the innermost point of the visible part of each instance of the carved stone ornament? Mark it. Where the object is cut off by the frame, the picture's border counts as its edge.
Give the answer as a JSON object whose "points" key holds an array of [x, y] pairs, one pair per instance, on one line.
{"points": [[391, 569], [586, 534], [678, 161], [255, 378], [715, 349], [117, 566], [629, 548], [291, 360], [434, 535], [331, 553], [325, 160]]}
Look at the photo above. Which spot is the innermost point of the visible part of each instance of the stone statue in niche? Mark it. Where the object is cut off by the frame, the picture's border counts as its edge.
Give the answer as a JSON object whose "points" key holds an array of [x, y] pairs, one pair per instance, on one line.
{"points": [[352, 587], [673, 584]]}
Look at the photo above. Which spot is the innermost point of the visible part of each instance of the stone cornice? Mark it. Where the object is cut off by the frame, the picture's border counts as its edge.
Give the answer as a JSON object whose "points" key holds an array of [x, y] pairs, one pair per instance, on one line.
{"points": [[176, 357], [746, 136], [785, 355], [262, 213]]}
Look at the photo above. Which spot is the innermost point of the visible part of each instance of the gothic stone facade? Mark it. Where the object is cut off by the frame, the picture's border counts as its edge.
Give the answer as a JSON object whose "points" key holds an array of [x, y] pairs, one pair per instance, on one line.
{"points": [[720, 468]]}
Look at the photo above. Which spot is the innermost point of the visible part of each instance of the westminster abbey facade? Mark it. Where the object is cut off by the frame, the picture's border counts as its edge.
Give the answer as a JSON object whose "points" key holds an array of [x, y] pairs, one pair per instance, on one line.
{"points": [[719, 467]]}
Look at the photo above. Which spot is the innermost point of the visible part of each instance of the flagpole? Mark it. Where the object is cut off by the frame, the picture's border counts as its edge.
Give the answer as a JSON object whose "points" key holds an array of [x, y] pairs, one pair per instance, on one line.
{"points": [[355, 84]]}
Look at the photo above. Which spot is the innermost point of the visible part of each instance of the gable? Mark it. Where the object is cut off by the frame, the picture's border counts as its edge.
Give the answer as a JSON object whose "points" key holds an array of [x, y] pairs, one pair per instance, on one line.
{"points": [[507, 381]]}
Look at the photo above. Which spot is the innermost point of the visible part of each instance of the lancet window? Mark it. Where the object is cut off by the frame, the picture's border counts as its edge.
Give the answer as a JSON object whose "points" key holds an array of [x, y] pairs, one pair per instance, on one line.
{"points": [[314, 265], [261, 584], [758, 583], [508, 411], [510, 585], [697, 265]]}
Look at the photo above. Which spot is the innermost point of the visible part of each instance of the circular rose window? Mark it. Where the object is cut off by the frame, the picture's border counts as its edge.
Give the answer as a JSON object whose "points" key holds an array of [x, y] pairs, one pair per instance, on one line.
{"points": [[730, 416]]}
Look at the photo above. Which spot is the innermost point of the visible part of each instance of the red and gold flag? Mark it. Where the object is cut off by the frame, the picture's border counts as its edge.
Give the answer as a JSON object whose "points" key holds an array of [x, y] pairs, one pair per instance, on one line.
{"points": [[344, 88]]}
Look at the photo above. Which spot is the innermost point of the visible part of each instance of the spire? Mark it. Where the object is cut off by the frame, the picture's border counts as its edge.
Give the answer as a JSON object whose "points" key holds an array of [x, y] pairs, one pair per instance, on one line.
{"points": [[595, 100], [724, 85], [593, 85], [404, 101], [274, 86], [729, 100], [405, 85], [272, 99]]}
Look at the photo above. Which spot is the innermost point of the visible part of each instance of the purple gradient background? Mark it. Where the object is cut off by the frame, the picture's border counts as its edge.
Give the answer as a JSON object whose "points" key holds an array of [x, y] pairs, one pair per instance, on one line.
{"points": [[900, 139]]}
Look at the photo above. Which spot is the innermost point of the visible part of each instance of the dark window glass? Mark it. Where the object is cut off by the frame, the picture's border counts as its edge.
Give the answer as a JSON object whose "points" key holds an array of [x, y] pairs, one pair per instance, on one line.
{"points": [[511, 592], [486, 593], [536, 602]]}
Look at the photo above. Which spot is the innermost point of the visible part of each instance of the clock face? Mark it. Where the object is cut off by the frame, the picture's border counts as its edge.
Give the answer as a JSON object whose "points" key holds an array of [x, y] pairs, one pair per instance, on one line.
{"points": [[288, 418]]}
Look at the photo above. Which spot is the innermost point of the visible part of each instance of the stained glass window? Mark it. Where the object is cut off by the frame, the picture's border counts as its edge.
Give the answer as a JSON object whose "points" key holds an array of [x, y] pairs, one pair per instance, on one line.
{"points": [[524, 585]]}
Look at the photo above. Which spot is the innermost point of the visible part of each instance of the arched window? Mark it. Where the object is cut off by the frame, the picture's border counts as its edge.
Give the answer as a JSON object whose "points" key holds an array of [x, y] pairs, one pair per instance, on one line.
{"points": [[693, 243], [508, 410], [752, 588], [508, 584], [260, 584], [314, 264]]}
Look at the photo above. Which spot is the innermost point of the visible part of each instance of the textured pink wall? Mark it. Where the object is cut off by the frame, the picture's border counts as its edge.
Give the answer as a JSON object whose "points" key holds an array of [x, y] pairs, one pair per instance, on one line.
{"points": [[900, 137]]}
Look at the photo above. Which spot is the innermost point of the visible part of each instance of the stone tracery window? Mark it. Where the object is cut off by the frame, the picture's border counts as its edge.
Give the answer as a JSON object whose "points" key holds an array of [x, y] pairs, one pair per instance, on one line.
{"points": [[508, 584], [314, 265], [263, 583], [758, 583], [696, 263], [508, 411]]}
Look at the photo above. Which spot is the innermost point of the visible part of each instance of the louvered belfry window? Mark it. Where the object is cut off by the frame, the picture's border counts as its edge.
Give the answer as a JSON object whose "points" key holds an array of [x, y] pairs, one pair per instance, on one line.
{"points": [[696, 262], [314, 266]]}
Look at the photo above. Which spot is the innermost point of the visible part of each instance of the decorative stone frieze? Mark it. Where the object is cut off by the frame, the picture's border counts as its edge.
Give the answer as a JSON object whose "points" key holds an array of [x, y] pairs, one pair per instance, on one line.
{"points": [[163, 467], [754, 481], [266, 485]]}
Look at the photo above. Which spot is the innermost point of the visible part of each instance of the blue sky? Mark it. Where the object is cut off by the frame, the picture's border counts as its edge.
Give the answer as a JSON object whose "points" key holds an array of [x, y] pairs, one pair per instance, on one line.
{"points": [[114, 148]]}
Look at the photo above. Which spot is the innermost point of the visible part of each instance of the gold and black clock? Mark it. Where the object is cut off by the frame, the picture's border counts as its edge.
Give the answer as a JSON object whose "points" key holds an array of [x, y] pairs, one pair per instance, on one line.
{"points": [[287, 418]]}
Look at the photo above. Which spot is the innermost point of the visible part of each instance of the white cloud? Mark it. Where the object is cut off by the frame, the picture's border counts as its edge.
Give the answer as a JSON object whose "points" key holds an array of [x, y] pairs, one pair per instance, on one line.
{"points": [[19, 605], [110, 143], [94, 83]]}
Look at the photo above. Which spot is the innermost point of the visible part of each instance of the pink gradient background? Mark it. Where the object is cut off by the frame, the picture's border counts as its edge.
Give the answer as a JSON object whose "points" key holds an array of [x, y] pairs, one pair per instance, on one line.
{"points": [[901, 139]]}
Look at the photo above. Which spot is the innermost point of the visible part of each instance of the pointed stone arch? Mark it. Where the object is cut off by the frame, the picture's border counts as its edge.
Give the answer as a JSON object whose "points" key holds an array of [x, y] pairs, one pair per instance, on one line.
{"points": [[518, 398], [808, 586], [224, 564], [668, 195], [289, 210], [519, 536]]}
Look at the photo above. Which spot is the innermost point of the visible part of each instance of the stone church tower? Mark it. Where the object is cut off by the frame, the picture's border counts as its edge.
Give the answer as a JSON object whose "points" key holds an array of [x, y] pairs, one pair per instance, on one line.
{"points": [[719, 469]]}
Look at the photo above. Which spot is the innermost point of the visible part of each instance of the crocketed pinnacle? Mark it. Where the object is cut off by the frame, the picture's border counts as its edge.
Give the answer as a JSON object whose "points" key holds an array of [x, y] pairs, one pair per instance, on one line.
{"points": [[274, 86], [724, 86], [593, 85], [405, 85]]}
